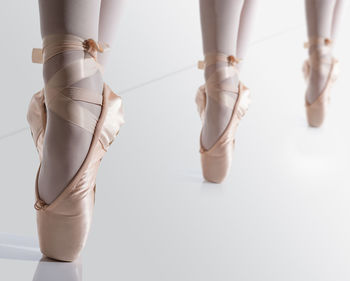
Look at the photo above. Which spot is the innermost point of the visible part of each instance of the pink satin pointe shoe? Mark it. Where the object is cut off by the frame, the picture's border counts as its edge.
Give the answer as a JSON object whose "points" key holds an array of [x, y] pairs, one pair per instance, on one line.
{"points": [[317, 110], [64, 224], [216, 161]]}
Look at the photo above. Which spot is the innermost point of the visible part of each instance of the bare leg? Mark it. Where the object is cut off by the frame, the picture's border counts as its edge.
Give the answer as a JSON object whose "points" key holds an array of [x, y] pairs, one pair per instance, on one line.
{"points": [[66, 145], [110, 14], [220, 25], [319, 16]]}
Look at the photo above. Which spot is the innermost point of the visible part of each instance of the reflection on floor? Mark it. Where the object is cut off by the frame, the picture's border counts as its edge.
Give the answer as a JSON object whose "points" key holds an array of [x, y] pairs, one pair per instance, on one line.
{"points": [[57, 271], [283, 213], [18, 247]]}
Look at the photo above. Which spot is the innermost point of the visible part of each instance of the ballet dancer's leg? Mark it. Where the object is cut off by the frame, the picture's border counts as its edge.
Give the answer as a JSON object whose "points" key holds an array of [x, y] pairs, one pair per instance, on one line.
{"points": [[220, 24], [244, 32], [110, 14], [319, 17], [337, 16], [65, 144]]}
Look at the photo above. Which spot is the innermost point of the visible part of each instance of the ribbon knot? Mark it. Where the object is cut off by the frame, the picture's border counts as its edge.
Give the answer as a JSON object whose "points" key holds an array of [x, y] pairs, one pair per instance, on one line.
{"points": [[92, 47], [232, 60]]}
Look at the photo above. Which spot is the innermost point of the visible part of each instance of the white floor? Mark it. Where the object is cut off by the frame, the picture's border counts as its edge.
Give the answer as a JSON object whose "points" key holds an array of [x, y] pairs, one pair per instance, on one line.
{"points": [[283, 214]]}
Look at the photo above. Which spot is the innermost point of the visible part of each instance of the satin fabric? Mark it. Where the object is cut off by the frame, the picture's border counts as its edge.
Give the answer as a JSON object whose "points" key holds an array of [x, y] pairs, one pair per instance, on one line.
{"points": [[63, 225], [317, 111], [216, 161]]}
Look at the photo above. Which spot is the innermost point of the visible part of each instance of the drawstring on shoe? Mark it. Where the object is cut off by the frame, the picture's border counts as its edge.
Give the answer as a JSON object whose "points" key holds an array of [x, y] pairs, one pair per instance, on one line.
{"points": [[40, 205]]}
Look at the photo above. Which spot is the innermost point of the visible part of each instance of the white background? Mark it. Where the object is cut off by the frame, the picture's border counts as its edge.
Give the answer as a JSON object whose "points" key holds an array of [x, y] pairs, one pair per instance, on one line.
{"points": [[283, 213]]}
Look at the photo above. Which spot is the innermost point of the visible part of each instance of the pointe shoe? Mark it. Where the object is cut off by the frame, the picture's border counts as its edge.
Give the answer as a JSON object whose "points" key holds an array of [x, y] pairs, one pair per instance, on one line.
{"points": [[316, 111], [216, 161], [64, 224]]}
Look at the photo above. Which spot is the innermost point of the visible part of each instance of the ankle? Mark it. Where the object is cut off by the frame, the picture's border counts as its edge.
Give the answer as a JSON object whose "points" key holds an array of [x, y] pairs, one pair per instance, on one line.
{"points": [[239, 66], [93, 83], [319, 54], [59, 61], [210, 69]]}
